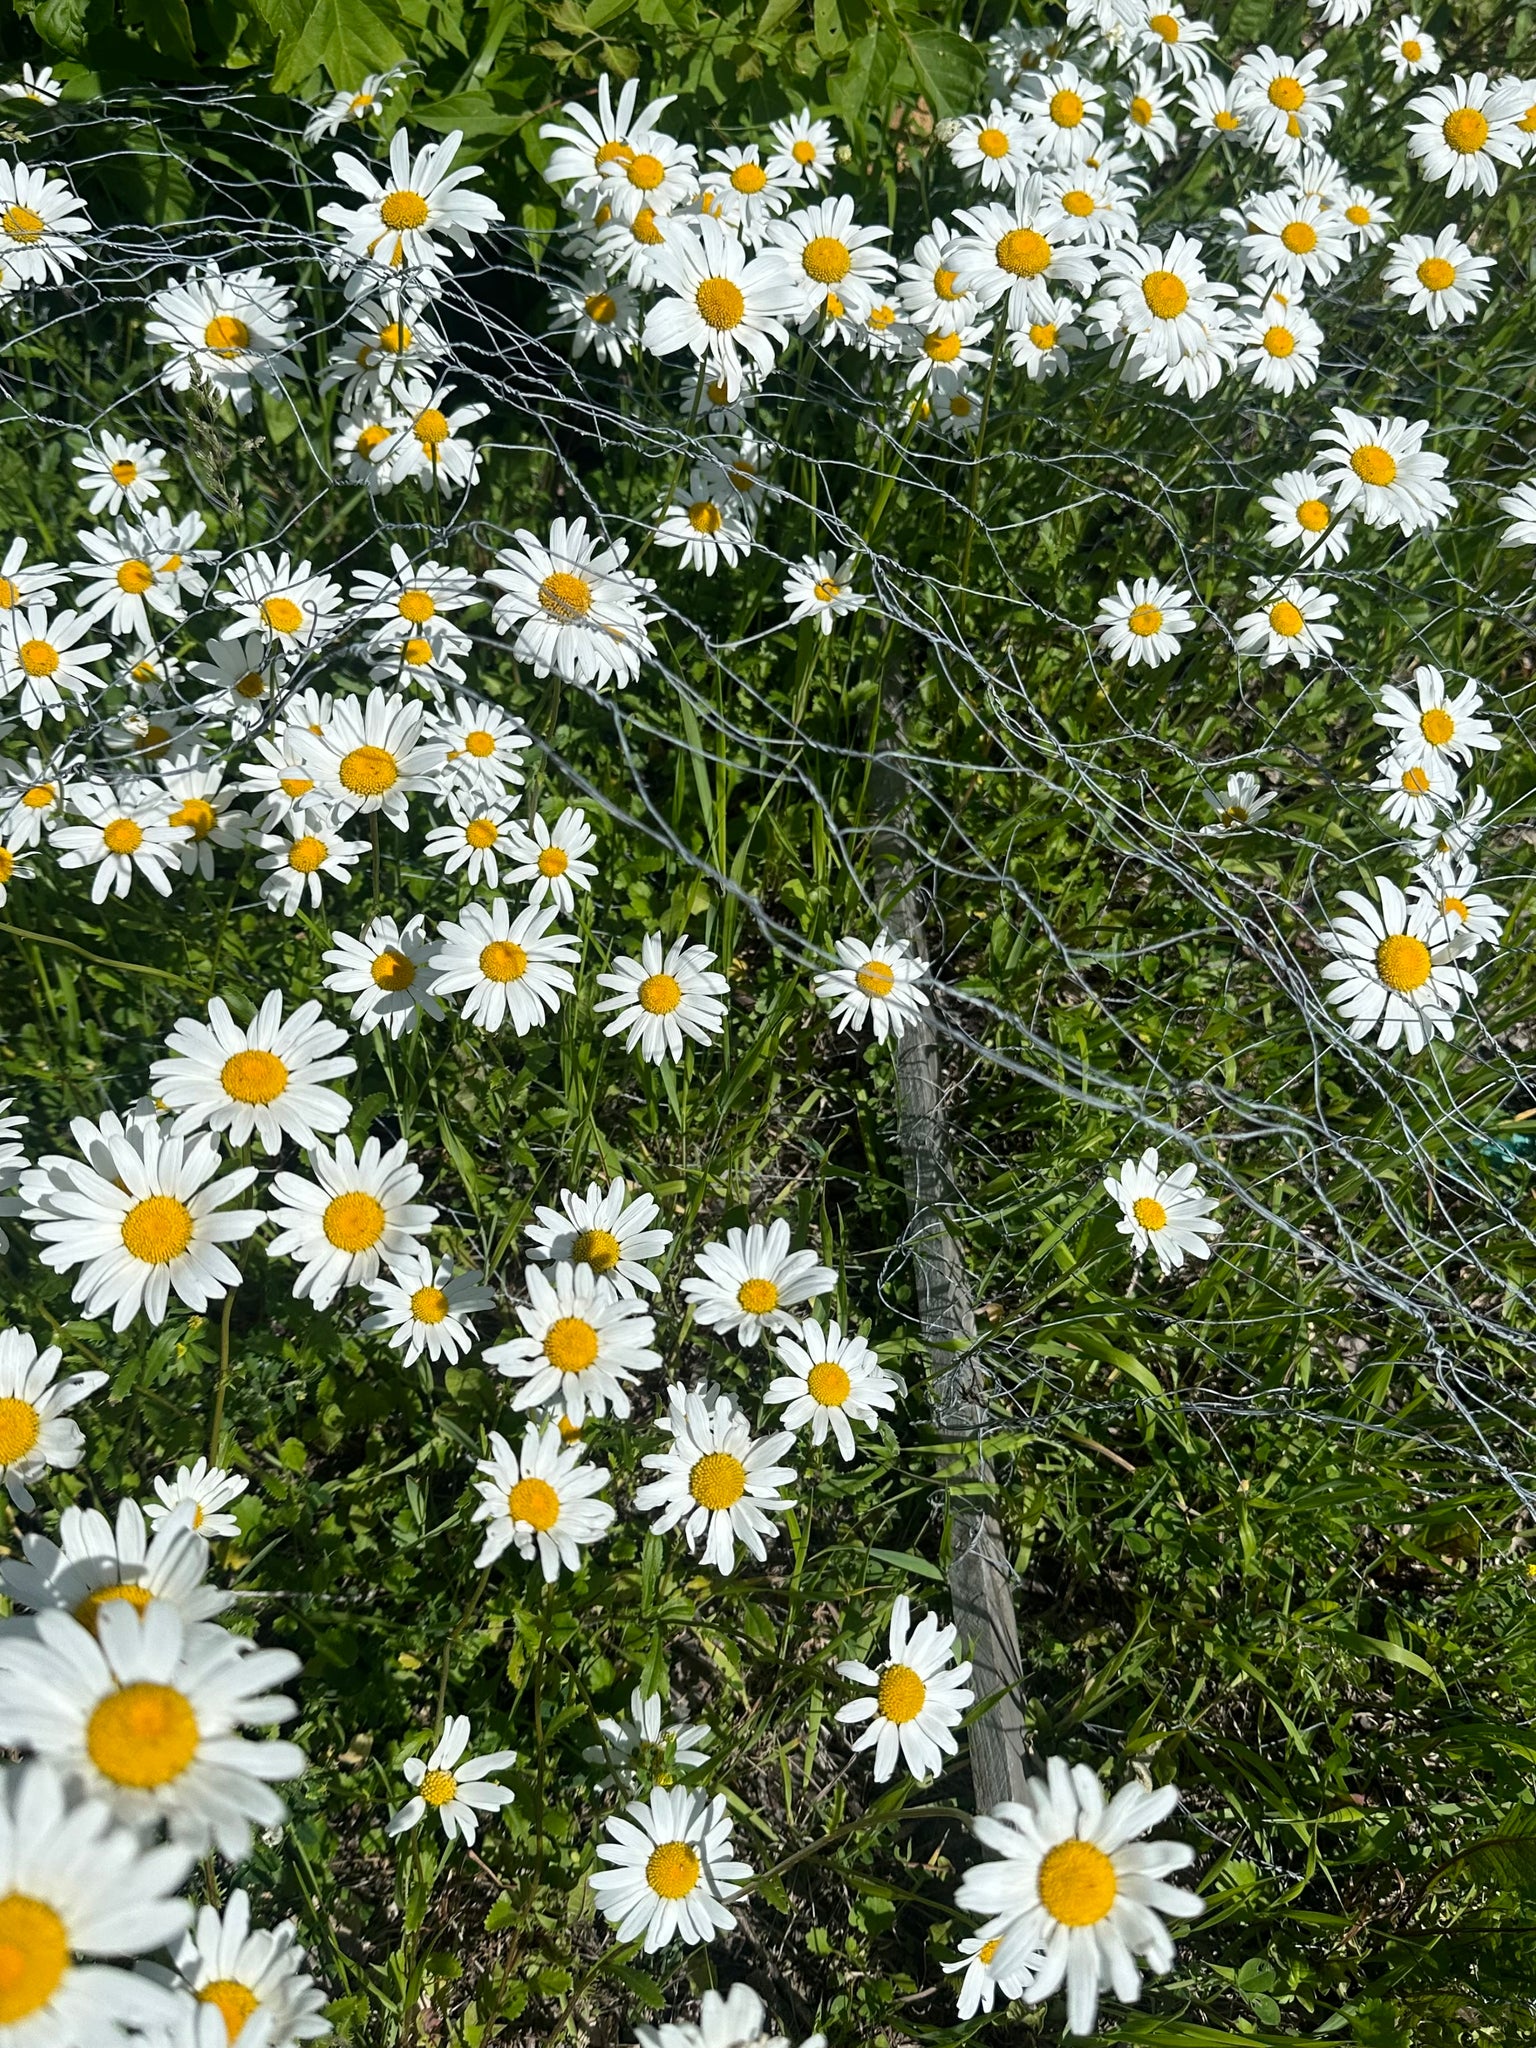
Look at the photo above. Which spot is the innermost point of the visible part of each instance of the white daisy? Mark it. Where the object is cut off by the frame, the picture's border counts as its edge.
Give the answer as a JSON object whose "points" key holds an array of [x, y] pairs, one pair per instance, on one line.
{"points": [[1241, 804], [542, 1499], [719, 1481], [457, 1792], [1149, 108], [550, 858], [372, 756], [313, 847], [735, 2020], [1418, 784], [802, 147], [1295, 239], [573, 607], [483, 746], [880, 984], [822, 249], [1165, 311], [472, 843], [406, 217], [144, 1716], [1064, 109], [39, 85], [583, 1346], [1170, 1212], [1071, 1880], [199, 803], [1284, 101], [1440, 278], [97, 1564], [19, 583], [33, 795], [355, 1216], [1381, 468], [1368, 215], [1178, 41], [586, 141], [119, 472], [1042, 348], [672, 1869], [41, 657], [428, 439], [598, 313], [424, 1308], [248, 1986], [293, 605], [1289, 623], [918, 1697], [663, 997], [1435, 723], [36, 1434], [1465, 130], [42, 225], [706, 523], [820, 587], [510, 969], [981, 1983], [657, 174], [364, 437], [832, 1382], [230, 335], [608, 1229], [265, 1081], [1445, 883], [390, 340], [636, 1749], [1280, 343], [1019, 255], [720, 303], [1144, 621], [1519, 507], [994, 150], [1216, 107], [387, 973], [209, 1489], [1446, 837], [1395, 973], [1301, 517], [240, 678], [746, 1287], [1409, 49]]}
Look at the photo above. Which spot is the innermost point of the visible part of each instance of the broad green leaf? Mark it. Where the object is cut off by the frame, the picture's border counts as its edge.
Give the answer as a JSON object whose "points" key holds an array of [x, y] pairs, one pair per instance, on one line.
{"points": [[950, 68], [345, 38]]}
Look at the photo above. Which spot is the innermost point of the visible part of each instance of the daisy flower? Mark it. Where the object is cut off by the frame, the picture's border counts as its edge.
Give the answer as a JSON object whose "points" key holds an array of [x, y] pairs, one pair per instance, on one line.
{"points": [[706, 523], [1171, 1212], [1216, 107], [663, 997], [1301, 517], [363, 438], [918, 1697], [411, 595], [1441, 279], [1149, 106], [953, 407], [424, 1308], [1382, 469], [40, 86], [608, 1229], [1447, 838], [995, 150], [1394, 972], [1178, 41], [831, 1382], [1041, 349], [881, 984], [1162, 306], [361, 105], [1144, 621], [926, 290], [821, 250], [1368, 216], [457, 1792], [632, 249], [209, 1489], [943, 352], [42, 225], [119, 473], [1418, 785], [735, 2020], [573, 607], [36, 1434], [254, 1980], [803, 148], [1101, 208], [511, 969], [720, 303], [550, 858], [292, 604], [199, 803], [1280, 344], [390, 340], [1071, 1879], [144, 1716], [355, 1216], [41, 657], [1434, 722], [97, 1564], [83, 1895], [232, 336], [1293, 238], [1519, 507], [125, 834], [428, 439], [372, 756], [586, 141], [1283, 100], [1016, 255], [1409, 49], [657, 175], [820, 587], [598, 313], [240, 677], [583, 1346], [472, 841], [1241, 804], [745, 1287], [744, 193], [1289, 623], [980, 1982], [265, 1081], [1465, 129], [1064, 110], [719, 1481], [672, 1869], [542, 1499], [1445, 883], [406, 217], [313, 847], [636, 1749], [483, 746]]}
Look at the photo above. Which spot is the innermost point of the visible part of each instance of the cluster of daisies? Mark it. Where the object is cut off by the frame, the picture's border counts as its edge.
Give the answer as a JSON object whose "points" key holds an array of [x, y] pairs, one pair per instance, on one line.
{"points": [[136, 1713]]}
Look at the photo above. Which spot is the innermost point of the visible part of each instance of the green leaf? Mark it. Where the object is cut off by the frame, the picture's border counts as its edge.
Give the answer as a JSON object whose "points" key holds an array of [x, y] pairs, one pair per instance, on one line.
{"points": [[864, 80], [827, 27], [167, 27], [1507, 1857], [61, 24], [949, 68], [344, 37], [908, 1561]]}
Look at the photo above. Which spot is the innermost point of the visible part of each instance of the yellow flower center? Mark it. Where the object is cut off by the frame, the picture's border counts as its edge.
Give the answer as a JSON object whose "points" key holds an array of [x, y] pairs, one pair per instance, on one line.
{"points": [[22, 224], [281, 614], [416, 653], [480, 744], [354, 1222], [1149, 1212], [941, 348], [535, 1502], [1312, 513], [1373, 465], [944, 284], [1415, 782], [403, 211], [553, 861], [1078, 203], [1164, 25], [749, 177], [1285, 619], [659, 994], [1066, 108], [1437, 725], [601, 308], [672, 1870], [571, 1344], [1403, 962], [612, 153], [393, 970], [757, 1297], [875, 978], [503, 960], [135, 577], [1436, 275], [122, 835], [1043, 335], [370, 438], [7, 864], [197, 813], [1226, 119], [306, 854], [482, 832], [645, 230], [1454, 907], [1166, 294], [828, 1384], [226, 335], [826, 259], [19, 1428], [88, 1612], [416, 605], [645, 172], [992, 142], [1411, 49], [803, 151], [705, 516], [429, 1305], [989, 1949], [1233, 814], [254, 1076], [717, 1481], [438, 1787], [368, 771], [1024, 253], [142, 1735], [39, 796], [1288, 94], [234, 2002], [431, 427], [1077, 1884], [157, 1230], [1141, 111], [1465, 130], [565, 596], [34, 1955], [395, 339], [8, 593], [37, 657], [1144, 621], [826, 588], [596, 1248], [1299, 236], [1358, 216], [901, 1694]]}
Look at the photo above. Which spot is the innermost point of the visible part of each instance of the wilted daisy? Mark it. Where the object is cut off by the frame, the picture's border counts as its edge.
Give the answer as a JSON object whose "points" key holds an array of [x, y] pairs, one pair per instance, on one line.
{"points": [[295, 861], [879, 983], [407, 216], [208, 1489], [119, 472], [1070, 1879], [608, 1229], [355, 1216], [918, 1697], [1302, 517], [293, 605], [1290, 622], [97, 1564], [264, 1081], [509, 969], [144, 1715], [1170, 1212], [1446, 883], [248, 1985], [36, 1434], [832, 1381], [636, 1749], [542, 1499], [1418, 786], [1144, 621], [456, 1791], [717, 1480], [820, 587], [672, 1869], [1241, 804], [584, 1344], [719, 302], [1382, 469], [1408, 47], [1395, 973], [42, 225], [746, 1287], [1464, 130], [663, 998], [83, 1895], [572, 606], [994, 149], [231, 335], [1440, 278], [706, 524], [980, 1982], [41, 658], [1434, 722]]}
